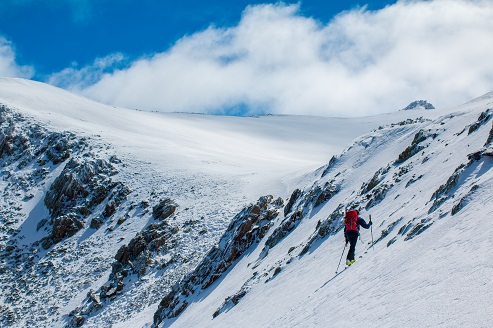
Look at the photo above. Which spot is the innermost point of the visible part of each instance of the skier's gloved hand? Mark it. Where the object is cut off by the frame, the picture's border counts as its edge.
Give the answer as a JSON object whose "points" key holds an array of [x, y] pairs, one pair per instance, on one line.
{"points": [[370, 223]]}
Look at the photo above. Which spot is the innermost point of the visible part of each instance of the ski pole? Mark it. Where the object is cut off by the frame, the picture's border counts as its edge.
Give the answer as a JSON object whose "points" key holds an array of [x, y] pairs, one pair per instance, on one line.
{"points": [[341, 257], [371, 230]]}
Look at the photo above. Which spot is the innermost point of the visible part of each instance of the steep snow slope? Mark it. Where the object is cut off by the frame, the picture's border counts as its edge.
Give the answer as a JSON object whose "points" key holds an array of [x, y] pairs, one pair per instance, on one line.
{"points": [[104, 209], [426, 184]]}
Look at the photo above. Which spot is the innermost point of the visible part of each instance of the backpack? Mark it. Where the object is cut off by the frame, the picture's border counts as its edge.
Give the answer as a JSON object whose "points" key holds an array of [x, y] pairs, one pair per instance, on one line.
{"points": [[351, 220]]}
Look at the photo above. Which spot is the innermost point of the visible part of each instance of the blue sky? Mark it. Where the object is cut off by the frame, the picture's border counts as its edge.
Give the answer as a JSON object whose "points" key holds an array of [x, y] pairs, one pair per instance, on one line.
{"points": [[52, 35], [316, 57]]}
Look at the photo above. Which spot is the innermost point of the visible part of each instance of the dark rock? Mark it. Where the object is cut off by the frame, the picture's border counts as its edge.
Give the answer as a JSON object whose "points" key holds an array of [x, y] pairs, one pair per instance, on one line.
{"points": [[63, 193], [414, 148], [164, 209], [117, 266], [294, 197], [475, 156], [121, 220], [93, 296], [66, 226], [417, 230], [388, 230], [482, 119], [441, 194], [96, 223], [489, 141], [79, 320], [136, 246], [283, 230], [109, 209], [328, 191], [111, 292], [375, 180], [329, 166], [46, 243], [122, 255]]}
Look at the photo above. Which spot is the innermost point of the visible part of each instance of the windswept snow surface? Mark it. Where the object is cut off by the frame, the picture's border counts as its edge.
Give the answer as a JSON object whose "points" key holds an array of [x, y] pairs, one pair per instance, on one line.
{"points": [[213, 166]]}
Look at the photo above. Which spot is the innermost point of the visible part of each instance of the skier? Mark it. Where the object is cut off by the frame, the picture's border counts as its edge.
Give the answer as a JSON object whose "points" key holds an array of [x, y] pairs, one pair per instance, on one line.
{"points": [[351, 232]]}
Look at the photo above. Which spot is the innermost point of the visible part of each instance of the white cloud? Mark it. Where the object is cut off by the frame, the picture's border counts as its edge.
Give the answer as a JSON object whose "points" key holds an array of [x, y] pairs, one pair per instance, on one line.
{"points": [[276, 60], [8, 65], [76, 79]]}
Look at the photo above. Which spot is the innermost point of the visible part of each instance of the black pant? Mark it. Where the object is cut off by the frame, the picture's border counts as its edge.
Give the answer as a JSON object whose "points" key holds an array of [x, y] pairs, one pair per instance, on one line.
{"points": [[352, 237]]}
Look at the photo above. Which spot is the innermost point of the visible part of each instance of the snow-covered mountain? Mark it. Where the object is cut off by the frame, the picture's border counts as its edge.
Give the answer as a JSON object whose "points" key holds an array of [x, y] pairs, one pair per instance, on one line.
{"points": [[118, 217]]}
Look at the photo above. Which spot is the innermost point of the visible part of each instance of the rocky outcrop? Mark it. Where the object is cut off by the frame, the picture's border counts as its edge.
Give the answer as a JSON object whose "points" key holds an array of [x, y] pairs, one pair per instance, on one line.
{"points": [[300, 203], [375, 180], [419, 104], [293, 199], [84, 183], [246, 229], [326, 193], [149, 240], [483, 118], [441, 194], [489, 141], [164, 209], [414, 148], [284, 229], [131, 259]]}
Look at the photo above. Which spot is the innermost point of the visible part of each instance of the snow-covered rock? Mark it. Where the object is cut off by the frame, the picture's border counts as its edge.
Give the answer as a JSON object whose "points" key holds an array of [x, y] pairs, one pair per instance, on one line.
{"points": [[419, 104]]}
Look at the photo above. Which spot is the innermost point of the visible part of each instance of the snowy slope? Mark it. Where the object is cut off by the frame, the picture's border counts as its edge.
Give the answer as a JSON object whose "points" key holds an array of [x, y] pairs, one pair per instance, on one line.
{"points": [[266, 146], [427, 185], [81, 182]]}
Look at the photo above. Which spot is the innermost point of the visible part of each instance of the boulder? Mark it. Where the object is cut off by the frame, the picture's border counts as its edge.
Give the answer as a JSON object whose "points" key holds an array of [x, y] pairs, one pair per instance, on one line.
{"points": [[65, 226], [96, 223], [164, 209]]}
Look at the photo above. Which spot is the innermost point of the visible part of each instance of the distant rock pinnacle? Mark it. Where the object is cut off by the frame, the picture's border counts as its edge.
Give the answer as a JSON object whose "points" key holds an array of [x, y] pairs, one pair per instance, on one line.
{"points": [[419, 104]]}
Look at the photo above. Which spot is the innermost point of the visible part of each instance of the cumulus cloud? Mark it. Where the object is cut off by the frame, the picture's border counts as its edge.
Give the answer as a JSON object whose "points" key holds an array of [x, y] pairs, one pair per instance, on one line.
{"points": [[276, 60], [8, 65], [75, 79]]}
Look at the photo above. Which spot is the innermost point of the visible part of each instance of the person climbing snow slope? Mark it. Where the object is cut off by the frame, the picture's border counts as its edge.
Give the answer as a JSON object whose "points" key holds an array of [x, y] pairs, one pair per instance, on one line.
{"points": [[351, 232]]}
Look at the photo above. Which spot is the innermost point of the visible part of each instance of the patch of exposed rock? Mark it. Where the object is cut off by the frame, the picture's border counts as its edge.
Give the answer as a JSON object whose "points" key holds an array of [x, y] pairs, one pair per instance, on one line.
{"points": [[164, 209], [131, 259], [247, 228], [419, 104], [75, 194]]}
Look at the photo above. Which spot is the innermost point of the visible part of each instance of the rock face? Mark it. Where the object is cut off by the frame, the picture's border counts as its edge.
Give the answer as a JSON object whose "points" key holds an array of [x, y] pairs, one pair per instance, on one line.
{"points": [[299, 205], [83, 182], [164, 209], [83, 185], [63, 227], [414, 148], [131, 259], [246, 229], [419, 104]]}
